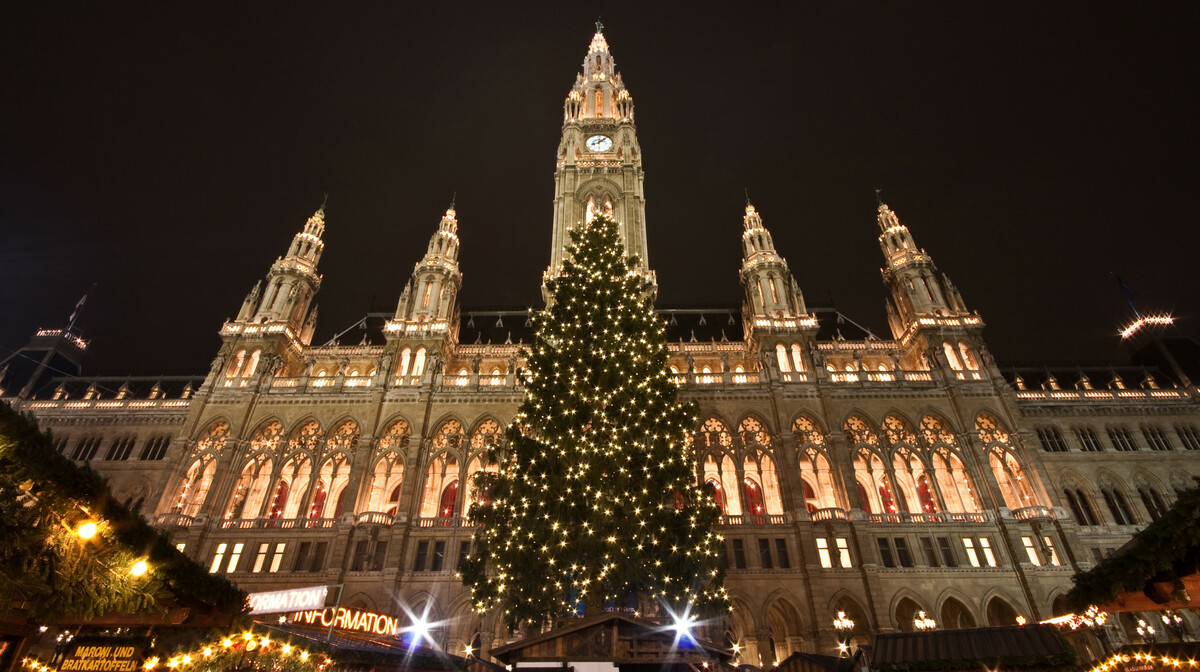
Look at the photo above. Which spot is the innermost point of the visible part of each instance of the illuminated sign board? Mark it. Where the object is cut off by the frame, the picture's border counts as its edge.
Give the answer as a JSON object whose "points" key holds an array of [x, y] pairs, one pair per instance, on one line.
{"points": [[349, 619], [96, 655], [296, 599]]}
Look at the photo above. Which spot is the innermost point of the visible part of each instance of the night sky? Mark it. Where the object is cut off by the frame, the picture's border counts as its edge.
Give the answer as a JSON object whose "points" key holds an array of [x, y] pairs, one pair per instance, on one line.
{"points": [[167, 152]]}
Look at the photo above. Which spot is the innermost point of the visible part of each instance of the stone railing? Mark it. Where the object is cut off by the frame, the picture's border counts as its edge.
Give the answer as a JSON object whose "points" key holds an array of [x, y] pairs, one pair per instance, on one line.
{"points": [[173, 520], [831, 513], [1101, 395], [278, 523], [374, 518], [925, 518], [1034, 513], [108, 404], [769, 519], [447, 521]]}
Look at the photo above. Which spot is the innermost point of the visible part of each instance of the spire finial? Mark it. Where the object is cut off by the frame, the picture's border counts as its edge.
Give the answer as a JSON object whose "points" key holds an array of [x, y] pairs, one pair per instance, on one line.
{"points": [[878, 196], [325, 200], [747, 190], [453, 199], [599, 25]]}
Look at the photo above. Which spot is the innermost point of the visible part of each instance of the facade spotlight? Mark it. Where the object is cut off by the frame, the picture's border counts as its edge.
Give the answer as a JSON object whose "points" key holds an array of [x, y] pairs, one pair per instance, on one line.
{"points": [[86, 531], [418, 631], [139, 568]]}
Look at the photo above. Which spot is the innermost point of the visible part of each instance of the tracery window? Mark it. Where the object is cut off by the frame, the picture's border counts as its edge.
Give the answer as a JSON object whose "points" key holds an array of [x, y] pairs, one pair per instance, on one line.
{"points": [[954, 484], [292, 486], [486, 437], [761, 485], [715, 434], [328, 499], [814, 465], [908, 470], [388, 473], [449, 435], [599, 102], [1009, 472], [214, 438], [194, 489], [306, 437], [251, 487], [719, 470], [870, 473], [443, 473], [753, 434]]}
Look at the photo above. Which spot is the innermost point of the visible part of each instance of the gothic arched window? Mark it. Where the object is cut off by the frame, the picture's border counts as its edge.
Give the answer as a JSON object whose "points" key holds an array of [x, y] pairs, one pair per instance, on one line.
{"points": [[1009, 472], [814, 464]]}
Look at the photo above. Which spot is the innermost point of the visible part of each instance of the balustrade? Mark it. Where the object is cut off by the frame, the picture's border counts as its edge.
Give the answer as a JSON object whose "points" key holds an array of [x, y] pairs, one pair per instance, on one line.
{"points": [[832, 513], [1033, 513], [754, 520]]}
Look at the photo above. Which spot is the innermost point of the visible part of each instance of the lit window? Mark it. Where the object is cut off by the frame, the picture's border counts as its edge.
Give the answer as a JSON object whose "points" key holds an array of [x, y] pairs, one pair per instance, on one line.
{"points": [[428, 292], [951, 357], [599, 102], [843, 552], [261, 558], [1051, 552], [217, 558], [1031, 552], [969, 544], [180, 546], [278, 559], [781, 354], [233, 558], [823, 552], [986, 545]]}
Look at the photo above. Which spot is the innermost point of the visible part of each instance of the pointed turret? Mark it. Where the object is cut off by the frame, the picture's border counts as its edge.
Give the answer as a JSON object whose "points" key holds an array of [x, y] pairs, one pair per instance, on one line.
{"points": [[918, 288], [278, 316], [771, 291], [925, 310], [431, 294], [598, 90], [293, 280]]}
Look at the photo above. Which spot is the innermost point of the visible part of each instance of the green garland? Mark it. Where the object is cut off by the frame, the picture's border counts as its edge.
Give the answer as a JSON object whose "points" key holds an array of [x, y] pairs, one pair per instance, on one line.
{"points": [[46, 569], [1166, 551]]}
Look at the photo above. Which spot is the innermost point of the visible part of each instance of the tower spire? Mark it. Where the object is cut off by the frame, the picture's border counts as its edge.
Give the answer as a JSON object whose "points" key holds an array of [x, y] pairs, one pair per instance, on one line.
{"points": [[432, 292], [918, 288], [771, 290], [599, 162]]}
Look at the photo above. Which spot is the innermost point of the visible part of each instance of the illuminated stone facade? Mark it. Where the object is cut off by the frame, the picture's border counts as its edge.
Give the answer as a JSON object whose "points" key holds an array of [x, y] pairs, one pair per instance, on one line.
{"points": [[875, 476]]}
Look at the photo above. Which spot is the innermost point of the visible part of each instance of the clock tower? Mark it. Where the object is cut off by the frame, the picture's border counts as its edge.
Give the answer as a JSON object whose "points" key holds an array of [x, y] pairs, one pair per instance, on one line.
{"points": [[599, 162]]}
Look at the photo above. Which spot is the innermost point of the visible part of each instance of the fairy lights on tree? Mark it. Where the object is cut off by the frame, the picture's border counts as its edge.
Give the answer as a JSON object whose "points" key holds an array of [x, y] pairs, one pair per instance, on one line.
{"points": [[595, 504]]}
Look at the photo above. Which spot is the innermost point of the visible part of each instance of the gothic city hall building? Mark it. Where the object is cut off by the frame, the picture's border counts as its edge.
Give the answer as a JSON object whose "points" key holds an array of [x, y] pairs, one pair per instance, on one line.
{"points": [[880, 477]]}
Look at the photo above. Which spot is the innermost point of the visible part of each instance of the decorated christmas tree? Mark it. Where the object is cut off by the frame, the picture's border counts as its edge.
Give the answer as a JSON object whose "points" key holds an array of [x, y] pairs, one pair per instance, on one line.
{"points": [[595, 504]]}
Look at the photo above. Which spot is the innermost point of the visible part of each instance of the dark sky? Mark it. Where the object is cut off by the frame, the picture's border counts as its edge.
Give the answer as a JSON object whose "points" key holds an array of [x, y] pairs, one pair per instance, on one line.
{"points": [[168, 152]]}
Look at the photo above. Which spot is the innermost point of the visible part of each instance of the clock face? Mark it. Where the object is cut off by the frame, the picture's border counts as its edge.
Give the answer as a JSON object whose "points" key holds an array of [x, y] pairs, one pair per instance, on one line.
{"points": [[599, 143]]}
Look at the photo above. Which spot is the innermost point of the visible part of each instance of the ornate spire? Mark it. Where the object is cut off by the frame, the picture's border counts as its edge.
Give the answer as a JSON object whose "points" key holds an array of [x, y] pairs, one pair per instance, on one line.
{"points": [[598, 91]]}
